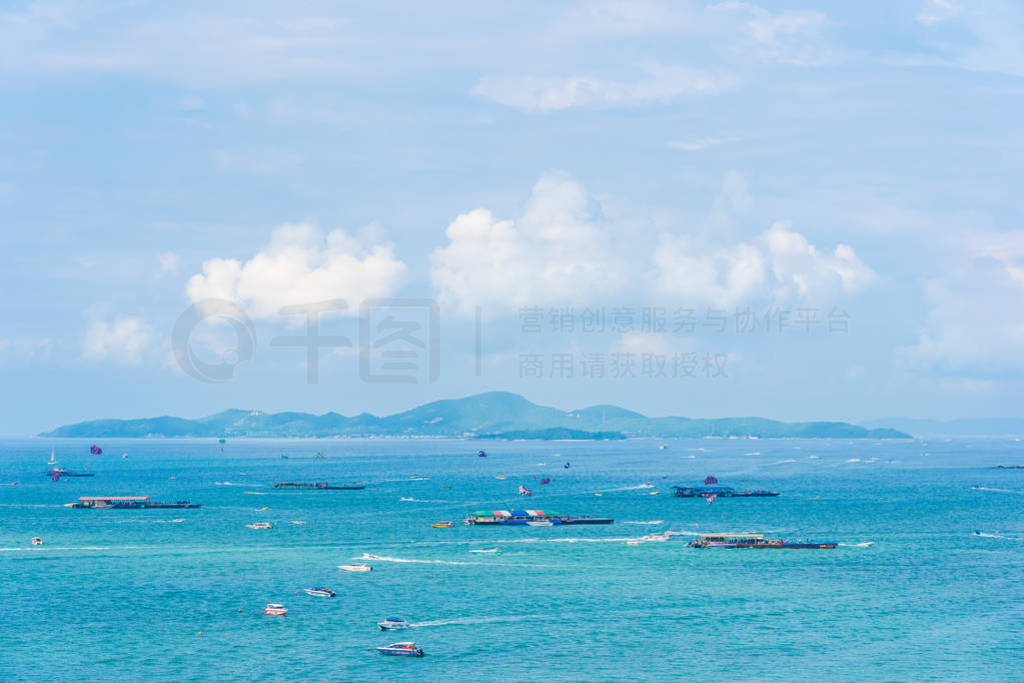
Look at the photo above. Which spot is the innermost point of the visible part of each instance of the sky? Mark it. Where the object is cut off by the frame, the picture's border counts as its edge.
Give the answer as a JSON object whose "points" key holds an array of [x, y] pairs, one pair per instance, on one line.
{"points": [[794, 210]]}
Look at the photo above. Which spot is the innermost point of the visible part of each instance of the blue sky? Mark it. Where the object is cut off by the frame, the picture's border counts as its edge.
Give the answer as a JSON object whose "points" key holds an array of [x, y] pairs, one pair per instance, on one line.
{"points": [[636, 158]]}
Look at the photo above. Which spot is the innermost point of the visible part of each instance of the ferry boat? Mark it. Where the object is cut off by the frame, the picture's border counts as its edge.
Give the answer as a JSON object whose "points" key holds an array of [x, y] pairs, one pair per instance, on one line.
{"points": [[127, 503], [755, 541], [319, 592], [407, 649], [315, 486], [719, 492], [275, 610], [393, 624], [523, 517]]}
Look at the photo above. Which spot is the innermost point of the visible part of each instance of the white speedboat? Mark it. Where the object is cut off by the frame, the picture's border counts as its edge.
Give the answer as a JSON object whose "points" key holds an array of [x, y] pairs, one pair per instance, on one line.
{"points": [[260, 525], [319, 592], [657, 537], [355, 567], [393, 624], [407, 649], [275, 610], [541, 522], [484, 550], [37, 541], [370, 556]]}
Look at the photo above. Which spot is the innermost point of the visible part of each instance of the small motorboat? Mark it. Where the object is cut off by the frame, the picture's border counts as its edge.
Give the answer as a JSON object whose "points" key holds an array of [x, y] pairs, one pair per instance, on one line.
{"points": [[484, 550], [407, 649], [297, 521], [442, 525], [355, 567], [541, 522], [657, 537], [260, 525], [370, 556], [36, 540], [275, 610], [406, 500], [634, 542], [319, 592], [481, 454], [646, 485], [393, 624]]}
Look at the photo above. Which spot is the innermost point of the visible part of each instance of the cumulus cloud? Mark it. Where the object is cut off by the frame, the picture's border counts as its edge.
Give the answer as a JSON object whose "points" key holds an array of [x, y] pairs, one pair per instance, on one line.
{"points": [[780, 264], [301, 265], [658, 84], [975, 324], [553, 254], [125, 340]]}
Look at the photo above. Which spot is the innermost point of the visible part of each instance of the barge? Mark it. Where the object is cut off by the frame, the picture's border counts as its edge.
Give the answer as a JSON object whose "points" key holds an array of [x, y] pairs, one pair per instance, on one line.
{"points": [[524, 517], [315, 486], [127, 503], [755, 541], [719, 492]]}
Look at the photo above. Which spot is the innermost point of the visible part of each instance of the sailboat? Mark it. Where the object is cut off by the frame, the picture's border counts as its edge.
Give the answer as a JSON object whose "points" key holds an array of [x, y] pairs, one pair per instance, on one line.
{"points": [[56, 472]]}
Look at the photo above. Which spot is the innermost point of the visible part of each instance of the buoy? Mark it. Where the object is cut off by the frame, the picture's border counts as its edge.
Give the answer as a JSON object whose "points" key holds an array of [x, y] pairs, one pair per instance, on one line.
{"points": [[200, 633], [239, 611]]}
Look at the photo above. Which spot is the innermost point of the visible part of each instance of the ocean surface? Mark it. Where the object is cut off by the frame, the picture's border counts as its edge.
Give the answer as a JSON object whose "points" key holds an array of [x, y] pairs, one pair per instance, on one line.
{"points": [[138, 594]]}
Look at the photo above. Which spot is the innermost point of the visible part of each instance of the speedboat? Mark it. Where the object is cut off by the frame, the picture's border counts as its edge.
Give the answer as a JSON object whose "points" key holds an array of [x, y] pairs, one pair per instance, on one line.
{"points": [[407, 500], [36, 540], [370, 556], [442, 525], [657, 537], [634, 542], [393, 624], [275, 610], [485, 550], [541, 522], [355, 567], [319, 592], [407, 649], [260, 525]]}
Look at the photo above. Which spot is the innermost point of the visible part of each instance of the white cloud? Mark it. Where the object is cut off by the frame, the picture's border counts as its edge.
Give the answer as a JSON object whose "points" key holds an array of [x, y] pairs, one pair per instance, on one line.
{"points": [[936, 11], [659, 83], [125, 340], [779, 265], [975, 325], [198, 46], [552, 255], [168, 261], [698, 143], [301, 265], [191, 103], [791, 37]]}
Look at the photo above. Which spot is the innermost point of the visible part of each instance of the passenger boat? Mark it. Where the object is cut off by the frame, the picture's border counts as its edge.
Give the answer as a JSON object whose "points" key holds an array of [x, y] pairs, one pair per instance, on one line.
{"points": [[260, 525], [442, 525], [275, 610], [315, 486], [484, 550], [754, 541], [36, 540], [407, 649], [524, 517], [127, 503], [393, 624], [355, 567], [319, 592]]}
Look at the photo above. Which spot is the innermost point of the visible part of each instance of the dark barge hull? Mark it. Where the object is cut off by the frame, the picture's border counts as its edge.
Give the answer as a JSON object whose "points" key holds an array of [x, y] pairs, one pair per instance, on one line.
{"points": [[682, 493], [138, 506]]}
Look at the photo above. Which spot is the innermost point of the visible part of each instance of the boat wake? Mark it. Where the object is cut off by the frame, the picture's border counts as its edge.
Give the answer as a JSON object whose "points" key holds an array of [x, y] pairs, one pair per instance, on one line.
{"points": [[419, 500], [474, 620], [655, 521], [231, 483], [986, 488], [865, 544], [379, 558], [783, 462]]}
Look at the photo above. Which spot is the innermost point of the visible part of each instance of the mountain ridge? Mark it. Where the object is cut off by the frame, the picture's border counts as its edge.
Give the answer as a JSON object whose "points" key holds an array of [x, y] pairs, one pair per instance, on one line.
{"points": [[479, 415]]}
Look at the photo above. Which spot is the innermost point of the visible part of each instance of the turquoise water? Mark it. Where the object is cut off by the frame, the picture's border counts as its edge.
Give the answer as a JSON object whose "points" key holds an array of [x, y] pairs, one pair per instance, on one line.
{"points": [[124, 594]]}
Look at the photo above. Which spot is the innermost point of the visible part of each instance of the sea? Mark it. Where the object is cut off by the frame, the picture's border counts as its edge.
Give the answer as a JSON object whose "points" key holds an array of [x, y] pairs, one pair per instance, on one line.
{"points": [[927, 581]]}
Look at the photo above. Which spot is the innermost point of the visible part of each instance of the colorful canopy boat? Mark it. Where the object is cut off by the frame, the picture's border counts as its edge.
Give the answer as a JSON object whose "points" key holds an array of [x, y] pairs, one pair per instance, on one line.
{"points": [[315, 486], [755, 541], [522, 517], [126, 503]]}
